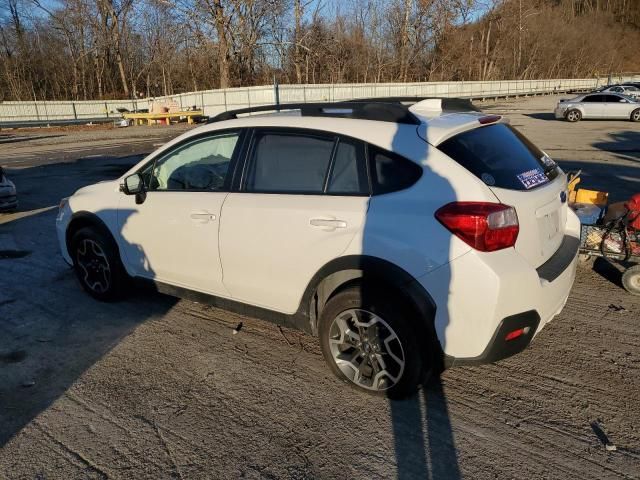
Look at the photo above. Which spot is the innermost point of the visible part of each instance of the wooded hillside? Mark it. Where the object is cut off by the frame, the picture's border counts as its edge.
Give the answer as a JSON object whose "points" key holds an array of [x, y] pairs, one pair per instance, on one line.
{"points": [[86, 49]]}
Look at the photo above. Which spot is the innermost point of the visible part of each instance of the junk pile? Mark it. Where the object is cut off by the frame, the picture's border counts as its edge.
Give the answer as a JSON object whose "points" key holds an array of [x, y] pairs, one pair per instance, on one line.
{"points": [[609, 231]]}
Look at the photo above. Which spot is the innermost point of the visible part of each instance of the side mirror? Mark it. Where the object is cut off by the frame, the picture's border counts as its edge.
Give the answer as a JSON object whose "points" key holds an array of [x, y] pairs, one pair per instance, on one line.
{"points": [[133, 185]]}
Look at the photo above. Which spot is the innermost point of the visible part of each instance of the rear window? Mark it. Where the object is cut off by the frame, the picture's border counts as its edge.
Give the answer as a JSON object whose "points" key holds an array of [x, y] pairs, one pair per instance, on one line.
{"points": [[502, 157]]}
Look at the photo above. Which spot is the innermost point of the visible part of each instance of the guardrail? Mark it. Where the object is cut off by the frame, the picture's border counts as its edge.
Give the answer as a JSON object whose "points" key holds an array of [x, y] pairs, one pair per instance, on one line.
{"points": [[217, 101]]}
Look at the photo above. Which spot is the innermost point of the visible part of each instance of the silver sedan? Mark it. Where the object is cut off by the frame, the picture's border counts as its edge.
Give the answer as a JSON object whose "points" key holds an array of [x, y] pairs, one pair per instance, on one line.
{"points": [[599, 105], [628, 90]]}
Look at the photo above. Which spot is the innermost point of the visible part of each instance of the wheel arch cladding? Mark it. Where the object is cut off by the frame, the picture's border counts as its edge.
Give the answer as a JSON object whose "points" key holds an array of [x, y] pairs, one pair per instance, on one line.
{"points": [[84, 219], [380, 274]]}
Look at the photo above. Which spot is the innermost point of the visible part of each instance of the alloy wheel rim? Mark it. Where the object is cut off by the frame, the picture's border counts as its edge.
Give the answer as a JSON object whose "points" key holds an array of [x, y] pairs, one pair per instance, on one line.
{"points": [[636, 115], [573, 116], [366, 349], [94, 265]]}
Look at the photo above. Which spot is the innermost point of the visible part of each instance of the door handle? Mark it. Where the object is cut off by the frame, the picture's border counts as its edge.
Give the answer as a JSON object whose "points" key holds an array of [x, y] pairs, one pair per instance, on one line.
{"points": [[203, 217], [328, 223]]}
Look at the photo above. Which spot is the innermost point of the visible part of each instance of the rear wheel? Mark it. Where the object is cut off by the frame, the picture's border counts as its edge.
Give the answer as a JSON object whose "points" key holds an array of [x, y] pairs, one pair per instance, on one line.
{"points": [[97, 264], [631, 280], [573, 115], [635, 115], [369, 343]]}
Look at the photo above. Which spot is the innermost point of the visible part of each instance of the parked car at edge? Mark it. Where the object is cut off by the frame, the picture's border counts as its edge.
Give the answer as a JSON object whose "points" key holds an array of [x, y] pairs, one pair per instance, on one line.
{"points": [[628, 90], [404, 238], [8, 197], [598, 106]]}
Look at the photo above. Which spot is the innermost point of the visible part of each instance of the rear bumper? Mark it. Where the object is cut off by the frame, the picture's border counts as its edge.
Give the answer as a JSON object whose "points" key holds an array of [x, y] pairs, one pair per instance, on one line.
{"points": [[479, 295], [500, 347]]}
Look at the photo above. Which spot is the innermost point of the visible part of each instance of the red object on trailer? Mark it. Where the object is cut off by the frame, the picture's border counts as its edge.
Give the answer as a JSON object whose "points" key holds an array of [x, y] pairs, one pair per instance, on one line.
{"points": [[633, 206]]}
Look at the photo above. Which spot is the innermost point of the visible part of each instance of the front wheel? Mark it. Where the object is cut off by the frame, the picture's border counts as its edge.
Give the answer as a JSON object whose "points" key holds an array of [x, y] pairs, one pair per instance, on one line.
{"points": [[635, 115], [97, 264], [631, 280], [368, 342], [573, 115]]}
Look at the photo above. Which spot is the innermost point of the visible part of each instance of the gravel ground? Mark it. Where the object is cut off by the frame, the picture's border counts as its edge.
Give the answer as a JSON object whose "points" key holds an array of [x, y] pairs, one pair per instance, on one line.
{"points": [[155, 387]]}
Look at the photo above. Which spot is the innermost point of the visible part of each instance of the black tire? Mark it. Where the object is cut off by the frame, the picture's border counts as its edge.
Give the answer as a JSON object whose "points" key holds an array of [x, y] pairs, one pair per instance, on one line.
{"points": [[631, 280], [635, 115], [573, 115], [97, 263], [394, 314]]}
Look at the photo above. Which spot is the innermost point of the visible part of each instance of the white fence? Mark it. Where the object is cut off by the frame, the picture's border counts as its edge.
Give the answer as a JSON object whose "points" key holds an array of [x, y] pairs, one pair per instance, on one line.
{"points": [[216, 101]]}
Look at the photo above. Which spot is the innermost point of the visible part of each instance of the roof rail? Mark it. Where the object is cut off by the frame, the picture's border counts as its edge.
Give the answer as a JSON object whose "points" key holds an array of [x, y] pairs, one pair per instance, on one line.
{"points": [[383, 111], [449, 104]]}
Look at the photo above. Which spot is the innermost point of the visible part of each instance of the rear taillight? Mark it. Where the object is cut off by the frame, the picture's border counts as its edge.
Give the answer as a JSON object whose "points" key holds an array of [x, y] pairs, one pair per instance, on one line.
{"points": [[484, 226]]}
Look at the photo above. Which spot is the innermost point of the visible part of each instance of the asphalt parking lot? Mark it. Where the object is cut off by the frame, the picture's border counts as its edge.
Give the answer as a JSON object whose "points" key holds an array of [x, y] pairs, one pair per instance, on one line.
{"points": [[155, 387]]}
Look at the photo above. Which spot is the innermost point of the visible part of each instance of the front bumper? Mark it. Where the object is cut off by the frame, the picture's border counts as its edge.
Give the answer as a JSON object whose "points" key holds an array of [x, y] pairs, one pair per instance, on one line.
{"points": [[559, 113], [62, 222], [8, 202]]}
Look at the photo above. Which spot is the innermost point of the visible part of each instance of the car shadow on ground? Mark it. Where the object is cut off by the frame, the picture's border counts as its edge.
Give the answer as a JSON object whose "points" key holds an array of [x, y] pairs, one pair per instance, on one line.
{"points": [[51, 330], [619, 180], [625, 144], [542, 116]]}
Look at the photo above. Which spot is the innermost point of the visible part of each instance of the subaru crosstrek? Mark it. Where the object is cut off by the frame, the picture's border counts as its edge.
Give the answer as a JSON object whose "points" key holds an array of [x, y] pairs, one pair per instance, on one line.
{"points": [[407, 238]]}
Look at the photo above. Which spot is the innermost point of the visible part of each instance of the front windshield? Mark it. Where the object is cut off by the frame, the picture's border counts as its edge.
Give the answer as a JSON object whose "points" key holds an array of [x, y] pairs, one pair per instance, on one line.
{"points": [[630, 98]]}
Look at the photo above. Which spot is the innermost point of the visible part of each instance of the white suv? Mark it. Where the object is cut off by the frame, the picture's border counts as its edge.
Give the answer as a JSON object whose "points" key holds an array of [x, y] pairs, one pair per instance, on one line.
{"points": [[407, 238]]}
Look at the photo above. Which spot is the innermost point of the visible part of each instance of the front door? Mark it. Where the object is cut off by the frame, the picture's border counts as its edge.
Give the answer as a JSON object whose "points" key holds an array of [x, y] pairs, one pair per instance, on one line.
{"points": [[592, 106], [172, 236]]}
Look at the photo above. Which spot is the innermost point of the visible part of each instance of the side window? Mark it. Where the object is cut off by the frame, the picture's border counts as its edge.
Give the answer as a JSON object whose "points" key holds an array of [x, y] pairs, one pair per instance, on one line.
{"points": [[616, 89], [593, 98], [612, 99], [348, 174], [390, 172], [199, 165], [288, 162]]}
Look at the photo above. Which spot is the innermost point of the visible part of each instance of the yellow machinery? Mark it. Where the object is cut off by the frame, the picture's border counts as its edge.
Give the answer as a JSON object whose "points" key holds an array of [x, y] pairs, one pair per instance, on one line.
{"points": [[162, 117]]}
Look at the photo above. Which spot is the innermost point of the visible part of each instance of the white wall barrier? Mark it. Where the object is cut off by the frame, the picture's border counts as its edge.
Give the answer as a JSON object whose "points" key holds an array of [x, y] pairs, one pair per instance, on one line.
{"points": [[216, 101]]}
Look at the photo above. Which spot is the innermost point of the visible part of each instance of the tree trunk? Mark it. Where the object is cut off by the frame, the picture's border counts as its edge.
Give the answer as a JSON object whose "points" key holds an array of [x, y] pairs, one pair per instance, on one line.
{"points": [[297, 51], [223, 44]]}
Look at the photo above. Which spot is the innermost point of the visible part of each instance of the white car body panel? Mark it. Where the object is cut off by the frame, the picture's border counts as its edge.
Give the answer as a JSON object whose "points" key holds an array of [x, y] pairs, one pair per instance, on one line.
{"points": [[542, 218], [469, 310], [173, 237], [270, 249]]}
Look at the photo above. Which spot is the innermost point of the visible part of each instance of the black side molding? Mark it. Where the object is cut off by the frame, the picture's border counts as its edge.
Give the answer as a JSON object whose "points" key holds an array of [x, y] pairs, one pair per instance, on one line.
{"points": [[558, 263]]}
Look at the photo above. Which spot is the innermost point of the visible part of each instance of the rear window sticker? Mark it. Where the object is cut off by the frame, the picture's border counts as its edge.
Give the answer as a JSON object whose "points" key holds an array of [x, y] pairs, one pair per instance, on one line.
{"points": [[532, 178]]}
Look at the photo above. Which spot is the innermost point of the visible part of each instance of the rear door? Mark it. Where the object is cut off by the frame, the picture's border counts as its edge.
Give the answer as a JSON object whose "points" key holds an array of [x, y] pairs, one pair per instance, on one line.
{"points": [[303, 196], [592, 106], [520, 175]]}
